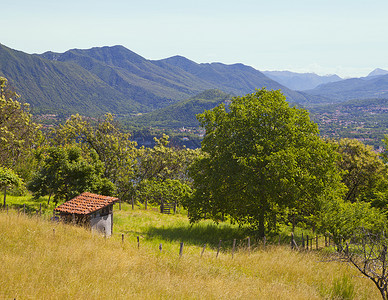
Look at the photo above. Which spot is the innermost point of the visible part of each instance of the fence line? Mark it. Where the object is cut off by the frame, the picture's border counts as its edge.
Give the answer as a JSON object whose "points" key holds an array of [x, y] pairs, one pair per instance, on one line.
{"points": [[301, 243]]}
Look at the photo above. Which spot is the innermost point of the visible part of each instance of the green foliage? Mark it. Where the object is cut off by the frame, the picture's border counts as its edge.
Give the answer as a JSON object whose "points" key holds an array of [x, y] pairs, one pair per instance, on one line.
{"points": [[167, 191], [163, 162], [17, 131], [364, 173], [161, 172], [261, 157], [113, 147], [9, 178], [342, 219], [66, 173]]}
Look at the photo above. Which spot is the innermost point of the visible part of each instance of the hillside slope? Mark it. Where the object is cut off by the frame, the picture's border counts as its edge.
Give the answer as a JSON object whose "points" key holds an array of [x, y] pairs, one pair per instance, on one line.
{"points": [[55, 86], [183, 113], [46, 260]]}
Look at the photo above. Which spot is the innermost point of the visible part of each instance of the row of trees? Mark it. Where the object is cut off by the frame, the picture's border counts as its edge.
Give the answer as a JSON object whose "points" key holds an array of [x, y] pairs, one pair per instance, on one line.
{"points": [[262, 164]]}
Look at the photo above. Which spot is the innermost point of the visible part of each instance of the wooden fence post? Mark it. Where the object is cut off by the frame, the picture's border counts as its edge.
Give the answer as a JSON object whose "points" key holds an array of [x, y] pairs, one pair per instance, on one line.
{"points": [[160, 247], [203, 249], [40, 209], [138, 242], [234, 247], [119, 204], [302, 241], [122, 237], [219, 247], [249, 244], [181, 250], [316, 242], [24, 209], [307, 241]]}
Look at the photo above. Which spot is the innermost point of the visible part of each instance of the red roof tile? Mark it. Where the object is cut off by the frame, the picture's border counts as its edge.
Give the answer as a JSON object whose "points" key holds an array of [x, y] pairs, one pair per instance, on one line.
{"points": [[86, 203]]}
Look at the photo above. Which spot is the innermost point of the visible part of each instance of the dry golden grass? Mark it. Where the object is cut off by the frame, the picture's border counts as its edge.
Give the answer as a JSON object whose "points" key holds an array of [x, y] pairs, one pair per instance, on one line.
{"points": [[75, 264]]}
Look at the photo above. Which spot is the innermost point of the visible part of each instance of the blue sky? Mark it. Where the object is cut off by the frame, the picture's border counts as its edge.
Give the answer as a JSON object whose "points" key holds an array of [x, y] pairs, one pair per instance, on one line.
{"points": [[346, 37]]}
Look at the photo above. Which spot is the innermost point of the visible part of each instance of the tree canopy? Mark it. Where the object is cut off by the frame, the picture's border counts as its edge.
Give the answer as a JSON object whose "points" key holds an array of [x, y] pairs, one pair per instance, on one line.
{"points": [[261, 157], [17, 131], [364, 172], [114, 148], [65, 173]]}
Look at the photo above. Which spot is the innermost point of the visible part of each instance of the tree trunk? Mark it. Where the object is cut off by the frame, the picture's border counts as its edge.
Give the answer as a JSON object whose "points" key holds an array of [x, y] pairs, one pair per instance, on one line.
{"points": [[261, 224], [5, 196]]}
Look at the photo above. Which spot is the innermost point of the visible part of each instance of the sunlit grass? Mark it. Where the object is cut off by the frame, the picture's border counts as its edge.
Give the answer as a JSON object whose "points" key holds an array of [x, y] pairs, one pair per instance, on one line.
{"points": [[45, 260]]}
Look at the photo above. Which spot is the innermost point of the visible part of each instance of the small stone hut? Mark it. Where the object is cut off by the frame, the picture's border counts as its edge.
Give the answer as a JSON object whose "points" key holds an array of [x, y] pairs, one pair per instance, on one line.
{"points": [[90, 210]]}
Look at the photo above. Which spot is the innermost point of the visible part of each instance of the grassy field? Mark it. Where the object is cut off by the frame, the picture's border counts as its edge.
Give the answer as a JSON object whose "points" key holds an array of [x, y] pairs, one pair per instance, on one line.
{"points": [[45, 260]]}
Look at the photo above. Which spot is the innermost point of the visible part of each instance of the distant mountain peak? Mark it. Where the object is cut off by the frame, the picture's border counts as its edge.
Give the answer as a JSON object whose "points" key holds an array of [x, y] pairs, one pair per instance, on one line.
{"points": [[378, 72]]}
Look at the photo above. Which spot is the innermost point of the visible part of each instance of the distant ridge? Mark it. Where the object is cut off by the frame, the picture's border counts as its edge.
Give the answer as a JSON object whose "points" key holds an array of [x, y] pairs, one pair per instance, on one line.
{"points": [[300, 81], [353, 88]]}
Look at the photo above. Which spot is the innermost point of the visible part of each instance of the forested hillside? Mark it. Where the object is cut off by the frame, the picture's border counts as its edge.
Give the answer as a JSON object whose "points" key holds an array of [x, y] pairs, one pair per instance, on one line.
{"points": [[54, 86], [183, 113]]}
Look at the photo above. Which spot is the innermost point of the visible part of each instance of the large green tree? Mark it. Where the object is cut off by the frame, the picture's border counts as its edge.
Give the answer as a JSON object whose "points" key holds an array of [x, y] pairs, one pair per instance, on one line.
{"points": [[261, 157]]}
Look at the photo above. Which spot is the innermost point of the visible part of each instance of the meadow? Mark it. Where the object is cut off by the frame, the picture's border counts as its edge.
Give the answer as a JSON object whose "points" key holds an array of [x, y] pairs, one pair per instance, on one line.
{"points": [[42, 259]]}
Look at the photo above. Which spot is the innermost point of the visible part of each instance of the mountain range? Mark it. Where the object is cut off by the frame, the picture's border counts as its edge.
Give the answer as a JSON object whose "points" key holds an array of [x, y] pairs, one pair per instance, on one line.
{"points": [[354, 88], [117, 80]]}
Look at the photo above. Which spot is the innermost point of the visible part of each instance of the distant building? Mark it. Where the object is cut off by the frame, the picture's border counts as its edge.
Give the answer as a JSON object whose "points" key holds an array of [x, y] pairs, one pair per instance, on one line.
{"points": [[90, 210]]}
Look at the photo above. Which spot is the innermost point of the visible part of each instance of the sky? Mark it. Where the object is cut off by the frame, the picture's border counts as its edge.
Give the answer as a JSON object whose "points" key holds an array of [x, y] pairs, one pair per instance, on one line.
{"points": [[343, 37]]}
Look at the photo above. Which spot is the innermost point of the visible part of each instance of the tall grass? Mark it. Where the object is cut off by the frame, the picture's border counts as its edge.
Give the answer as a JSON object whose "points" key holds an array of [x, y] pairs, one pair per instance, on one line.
{"points": [[44, 260]]}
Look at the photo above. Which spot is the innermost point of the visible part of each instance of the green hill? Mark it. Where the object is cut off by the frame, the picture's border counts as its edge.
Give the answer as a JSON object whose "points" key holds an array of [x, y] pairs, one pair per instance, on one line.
{"points": [[183, 113]]}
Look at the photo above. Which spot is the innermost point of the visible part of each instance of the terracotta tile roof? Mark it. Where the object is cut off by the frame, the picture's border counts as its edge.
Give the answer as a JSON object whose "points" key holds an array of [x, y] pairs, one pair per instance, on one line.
{"points": [[86, 203]]}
